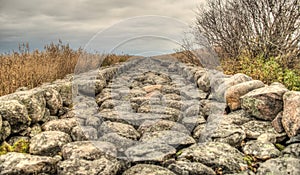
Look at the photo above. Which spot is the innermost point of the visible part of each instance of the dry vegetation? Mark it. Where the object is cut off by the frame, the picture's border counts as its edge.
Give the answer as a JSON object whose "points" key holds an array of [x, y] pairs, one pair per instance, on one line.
{"points": [[25, 69]]}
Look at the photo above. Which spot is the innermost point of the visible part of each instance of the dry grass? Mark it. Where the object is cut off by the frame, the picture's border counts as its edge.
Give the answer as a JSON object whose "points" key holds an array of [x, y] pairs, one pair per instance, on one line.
{"points": [[24, 69]]}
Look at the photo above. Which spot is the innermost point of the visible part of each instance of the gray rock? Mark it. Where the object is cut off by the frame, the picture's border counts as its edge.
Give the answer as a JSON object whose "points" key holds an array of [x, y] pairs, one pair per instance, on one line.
{"points": [[264, 103], [208, 107], [54, 101], [261, 150], [18, 163], [187, 168], [291, 114], [48, 143], [256, 128], [277, 123], [282, 165], [203, 82], [173, 138], [146, 152], [5, 131], [233, 93], [161, 125], [121, 129], [88, 150], [33, 100], [226, 132], [16, 114], [63, 125], [198, 131], [145, 169], [191, 122], [101, 166], [192, 111], [238, 117], [121, 143], [156, 109], [0, 122], [292, 150], [82, 133], [135, 119], [214, 155]]}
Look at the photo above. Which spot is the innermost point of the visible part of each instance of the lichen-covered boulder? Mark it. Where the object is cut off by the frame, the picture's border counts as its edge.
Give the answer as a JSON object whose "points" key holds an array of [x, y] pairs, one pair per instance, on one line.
{"points": [[277, 123], [264, 103], [281, 165], [16, 114], [214, 155], [26, 164], [233, 93], [256, 128], [48, 143], [89, 150], [64, 125], [261, 150], [53, 101], [122, 129], [161, 125], [146, 169], [152, 152], [291, 113], [173, 138], [121, 143], [101, 166], [181, 167], [82, 133]]}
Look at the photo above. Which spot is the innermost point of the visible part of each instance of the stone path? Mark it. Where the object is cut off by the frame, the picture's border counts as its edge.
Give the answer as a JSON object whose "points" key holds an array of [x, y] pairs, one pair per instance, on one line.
{"points": [[151, 116]]}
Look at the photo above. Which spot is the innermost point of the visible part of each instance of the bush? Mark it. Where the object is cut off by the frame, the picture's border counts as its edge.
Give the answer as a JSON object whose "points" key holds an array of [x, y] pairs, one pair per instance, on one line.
{"points": [[267, 71]]}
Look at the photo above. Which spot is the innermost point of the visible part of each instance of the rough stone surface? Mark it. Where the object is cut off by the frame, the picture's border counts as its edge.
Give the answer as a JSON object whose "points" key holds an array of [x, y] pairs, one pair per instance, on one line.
{"points": [[234, 93], [5, 131], [282, 165], [88, 150], [292, 150], [261, 150], [256, 128], [277, 123], [173, 138], [187, 168], [19, 163], [101, 166], [291, 113], [214, 155], [121, 129], [16, 114], [54, 101], [121, 143], [264, 103], [145, 169], [146, 152], [48, 143], [161, 125], [63, 125]]}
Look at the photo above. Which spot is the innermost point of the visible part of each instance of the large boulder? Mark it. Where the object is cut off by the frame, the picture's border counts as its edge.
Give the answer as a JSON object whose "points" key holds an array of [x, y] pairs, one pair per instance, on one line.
{"points": [[264, 103], [26, 164], [48, 143], [16, 114], [233, 93], [291, 113], [64, 125]]}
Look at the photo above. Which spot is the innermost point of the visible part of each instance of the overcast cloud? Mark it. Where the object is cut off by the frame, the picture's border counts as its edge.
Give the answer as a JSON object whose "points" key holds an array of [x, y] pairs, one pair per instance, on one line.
{"points": [[77, 21]]}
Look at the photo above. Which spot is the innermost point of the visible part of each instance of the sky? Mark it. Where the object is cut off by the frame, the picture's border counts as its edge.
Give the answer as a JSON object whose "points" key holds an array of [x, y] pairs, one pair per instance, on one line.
{"points": [[129, 26]]}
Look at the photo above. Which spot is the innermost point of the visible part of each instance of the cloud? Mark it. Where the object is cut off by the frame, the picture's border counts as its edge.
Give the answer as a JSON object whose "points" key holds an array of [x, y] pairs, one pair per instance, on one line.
{"points": [[77, 21]]}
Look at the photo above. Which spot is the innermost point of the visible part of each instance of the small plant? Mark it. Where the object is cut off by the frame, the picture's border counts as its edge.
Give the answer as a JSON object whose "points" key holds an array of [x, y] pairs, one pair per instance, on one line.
{"points": [[21, 146]]}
